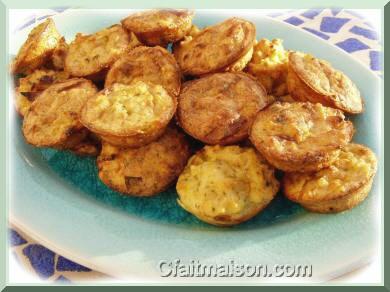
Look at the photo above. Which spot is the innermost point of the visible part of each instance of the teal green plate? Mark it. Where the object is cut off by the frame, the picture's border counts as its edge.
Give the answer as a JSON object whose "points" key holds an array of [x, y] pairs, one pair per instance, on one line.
{"points": [[57, 198]]}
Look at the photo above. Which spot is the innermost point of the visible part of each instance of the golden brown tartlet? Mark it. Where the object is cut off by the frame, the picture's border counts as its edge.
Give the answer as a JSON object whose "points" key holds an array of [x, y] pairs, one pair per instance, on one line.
{"points": [[315, 80], [150, 64], [129, 115], [340, 187], [147, 170], [241, 63], [216, 47], [159, 27], [269, 66], [91, 55], [220, 108], [53, 118], [300, 136], [226, 185], [37, 49]]}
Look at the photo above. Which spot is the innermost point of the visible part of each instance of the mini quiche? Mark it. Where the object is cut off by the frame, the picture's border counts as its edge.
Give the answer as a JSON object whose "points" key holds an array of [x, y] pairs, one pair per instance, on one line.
{"points": [[53, 118], [90, 55], [342, 186], [226, 185], [147, 170], [129, 115], [33, 84], [159, 27], [269, 66], [37, 49], [152, 64], [237, 66], [216, 47], [315, 80], [300, 136], [219, 108]]}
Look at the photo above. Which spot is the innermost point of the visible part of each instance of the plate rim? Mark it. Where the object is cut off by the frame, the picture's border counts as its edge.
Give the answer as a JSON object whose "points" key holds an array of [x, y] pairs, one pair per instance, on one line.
{"points": [[89, 264]]}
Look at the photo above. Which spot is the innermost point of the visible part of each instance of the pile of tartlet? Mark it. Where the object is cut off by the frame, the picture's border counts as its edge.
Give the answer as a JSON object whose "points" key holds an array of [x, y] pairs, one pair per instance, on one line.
{"points": [[121, 95]]}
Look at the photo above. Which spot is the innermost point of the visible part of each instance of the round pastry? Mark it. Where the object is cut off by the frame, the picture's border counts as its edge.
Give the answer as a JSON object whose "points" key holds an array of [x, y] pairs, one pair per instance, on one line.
{"points": [[129, 115], [90, 55], [216, 47], [226, 185], [53, 118], [37, 49], [315, 80], [300, 136], [219, 108], [342, 186], [241, 63], [89, 146], [147, 170], [152, 64], [159, 27], [286, 98]]}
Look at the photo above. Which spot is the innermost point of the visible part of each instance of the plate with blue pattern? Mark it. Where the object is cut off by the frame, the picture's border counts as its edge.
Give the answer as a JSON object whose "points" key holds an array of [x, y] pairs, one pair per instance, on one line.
{"points": [[57, 198]]}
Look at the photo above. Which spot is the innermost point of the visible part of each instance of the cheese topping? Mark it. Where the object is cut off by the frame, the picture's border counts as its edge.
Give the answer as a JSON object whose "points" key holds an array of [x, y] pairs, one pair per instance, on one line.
{"points": [[129, 107], [226, 181], [269, 53]]}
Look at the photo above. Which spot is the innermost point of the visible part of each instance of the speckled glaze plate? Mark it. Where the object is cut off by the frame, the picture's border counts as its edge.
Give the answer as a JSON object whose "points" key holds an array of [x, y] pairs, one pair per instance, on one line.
{"points": [[58, 199]]}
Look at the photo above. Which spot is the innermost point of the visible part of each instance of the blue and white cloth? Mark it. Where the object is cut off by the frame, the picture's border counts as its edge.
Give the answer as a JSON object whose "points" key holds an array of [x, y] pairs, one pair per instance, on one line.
{"points": [[343, 28]]}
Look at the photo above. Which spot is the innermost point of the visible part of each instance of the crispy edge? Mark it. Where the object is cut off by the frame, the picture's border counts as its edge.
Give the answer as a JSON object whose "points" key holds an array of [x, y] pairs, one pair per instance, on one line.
{"points": [[343, 203], [225, 220], [133, 141], [288, 179], [311, 162], [241, 63], [302, 92]]}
